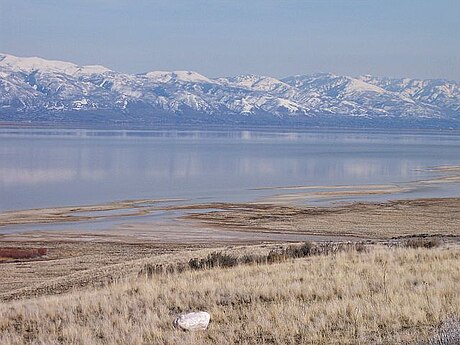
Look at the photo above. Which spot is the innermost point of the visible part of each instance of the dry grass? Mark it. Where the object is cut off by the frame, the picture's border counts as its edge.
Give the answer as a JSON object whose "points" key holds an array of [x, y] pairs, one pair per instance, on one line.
{"points": [[71, 265], [65, 265], [384, 295]]}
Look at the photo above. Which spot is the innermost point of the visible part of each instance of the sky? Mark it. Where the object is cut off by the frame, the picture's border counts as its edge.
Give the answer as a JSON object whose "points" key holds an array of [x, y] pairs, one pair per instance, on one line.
{"points": [[404, 38]]}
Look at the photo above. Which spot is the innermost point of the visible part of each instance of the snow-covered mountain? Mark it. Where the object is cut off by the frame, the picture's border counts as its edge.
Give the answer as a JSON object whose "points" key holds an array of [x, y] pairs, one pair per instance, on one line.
{"points": [[39, 91]]}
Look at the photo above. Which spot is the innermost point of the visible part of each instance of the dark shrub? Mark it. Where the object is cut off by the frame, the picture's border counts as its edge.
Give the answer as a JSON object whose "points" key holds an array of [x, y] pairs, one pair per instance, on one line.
{"points": [[195, 264], [248, 259], [213, 260], [276, 256], [299, 251], [221, 260], [150, 270], [280, 254], [360, 247], [422, 243], [253, 259]]}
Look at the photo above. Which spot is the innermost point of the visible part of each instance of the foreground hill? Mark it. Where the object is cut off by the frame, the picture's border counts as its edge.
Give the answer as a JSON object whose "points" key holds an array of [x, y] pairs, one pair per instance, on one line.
{"points": [[376, 296], [36, 90]]}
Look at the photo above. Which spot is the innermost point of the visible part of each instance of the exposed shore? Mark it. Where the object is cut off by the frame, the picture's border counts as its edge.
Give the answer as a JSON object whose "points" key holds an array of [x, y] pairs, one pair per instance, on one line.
{"points": [[419, 217], [76, 258]]}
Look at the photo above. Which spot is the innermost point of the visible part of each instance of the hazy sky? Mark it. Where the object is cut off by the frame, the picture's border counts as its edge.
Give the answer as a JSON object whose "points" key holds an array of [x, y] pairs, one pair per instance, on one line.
{"points": [[408, 38]]}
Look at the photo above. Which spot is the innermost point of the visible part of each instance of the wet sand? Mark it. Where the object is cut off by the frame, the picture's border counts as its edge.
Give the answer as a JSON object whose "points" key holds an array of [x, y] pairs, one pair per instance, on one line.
{"points": [[80, 213]]}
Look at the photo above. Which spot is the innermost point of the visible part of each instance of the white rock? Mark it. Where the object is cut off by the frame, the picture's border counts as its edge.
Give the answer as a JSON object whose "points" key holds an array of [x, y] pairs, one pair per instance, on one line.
{"points": [[193, 321]]}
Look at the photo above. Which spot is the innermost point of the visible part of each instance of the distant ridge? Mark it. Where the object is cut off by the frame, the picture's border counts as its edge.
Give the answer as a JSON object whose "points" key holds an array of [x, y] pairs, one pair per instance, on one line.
{"points": [[35, 90]]}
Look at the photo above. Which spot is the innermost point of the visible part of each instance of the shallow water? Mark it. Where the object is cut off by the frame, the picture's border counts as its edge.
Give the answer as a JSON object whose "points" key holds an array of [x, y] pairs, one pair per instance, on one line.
{"points": [[47, 168]]}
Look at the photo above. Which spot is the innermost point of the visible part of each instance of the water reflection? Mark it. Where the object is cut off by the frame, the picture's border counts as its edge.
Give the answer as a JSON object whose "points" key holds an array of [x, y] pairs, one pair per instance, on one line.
{"points": [[24, 176], [41, 168]]}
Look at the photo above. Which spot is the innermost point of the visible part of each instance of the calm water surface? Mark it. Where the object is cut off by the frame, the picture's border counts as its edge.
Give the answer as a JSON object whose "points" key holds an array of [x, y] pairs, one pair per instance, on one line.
{"points": [[43, 168]]}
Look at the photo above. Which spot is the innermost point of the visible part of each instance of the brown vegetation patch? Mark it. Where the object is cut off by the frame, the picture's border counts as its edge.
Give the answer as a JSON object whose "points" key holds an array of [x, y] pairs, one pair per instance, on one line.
{"points": [[22, 253]]}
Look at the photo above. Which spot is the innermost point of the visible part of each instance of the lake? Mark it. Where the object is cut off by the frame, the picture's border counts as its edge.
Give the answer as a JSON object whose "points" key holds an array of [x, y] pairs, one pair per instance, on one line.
{"points": [[44, 168]]}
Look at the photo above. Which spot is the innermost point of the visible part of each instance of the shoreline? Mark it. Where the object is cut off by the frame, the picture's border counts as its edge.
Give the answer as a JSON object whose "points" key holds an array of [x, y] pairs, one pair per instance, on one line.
{"points": [[151, 220], [293, 196], [79, 259], [168, 229]]}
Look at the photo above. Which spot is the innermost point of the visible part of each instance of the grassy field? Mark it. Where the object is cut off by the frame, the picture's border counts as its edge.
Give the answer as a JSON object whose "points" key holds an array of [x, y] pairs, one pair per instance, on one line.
{"points": [[379, 295]]}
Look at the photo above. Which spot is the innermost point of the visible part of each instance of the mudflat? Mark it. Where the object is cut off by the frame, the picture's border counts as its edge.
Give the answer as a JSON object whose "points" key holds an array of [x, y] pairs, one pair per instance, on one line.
{"points": [[75, 259], [419, 217]]}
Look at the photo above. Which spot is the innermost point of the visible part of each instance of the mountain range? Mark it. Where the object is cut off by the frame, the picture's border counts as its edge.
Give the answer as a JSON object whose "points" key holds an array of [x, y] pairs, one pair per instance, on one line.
{"points": [[38, 91]]}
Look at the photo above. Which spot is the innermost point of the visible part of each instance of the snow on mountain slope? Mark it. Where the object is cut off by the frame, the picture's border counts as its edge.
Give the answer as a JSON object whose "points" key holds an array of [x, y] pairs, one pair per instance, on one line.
{"points": [[92, 69], [330, 84], [346, 95], [177, 76], [256, 83], [30, 64], [35, 84], [436, 92], [31, 86]]}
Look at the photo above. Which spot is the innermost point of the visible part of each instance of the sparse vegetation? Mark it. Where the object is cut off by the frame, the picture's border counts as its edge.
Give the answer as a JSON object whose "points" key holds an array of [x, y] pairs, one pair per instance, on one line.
{"points": [[276, 255], [382, 295], [423, 243]]}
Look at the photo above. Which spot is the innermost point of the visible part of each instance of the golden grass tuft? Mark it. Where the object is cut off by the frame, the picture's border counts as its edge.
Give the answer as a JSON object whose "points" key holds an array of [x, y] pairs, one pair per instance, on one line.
{"points": [[384, 295]]}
